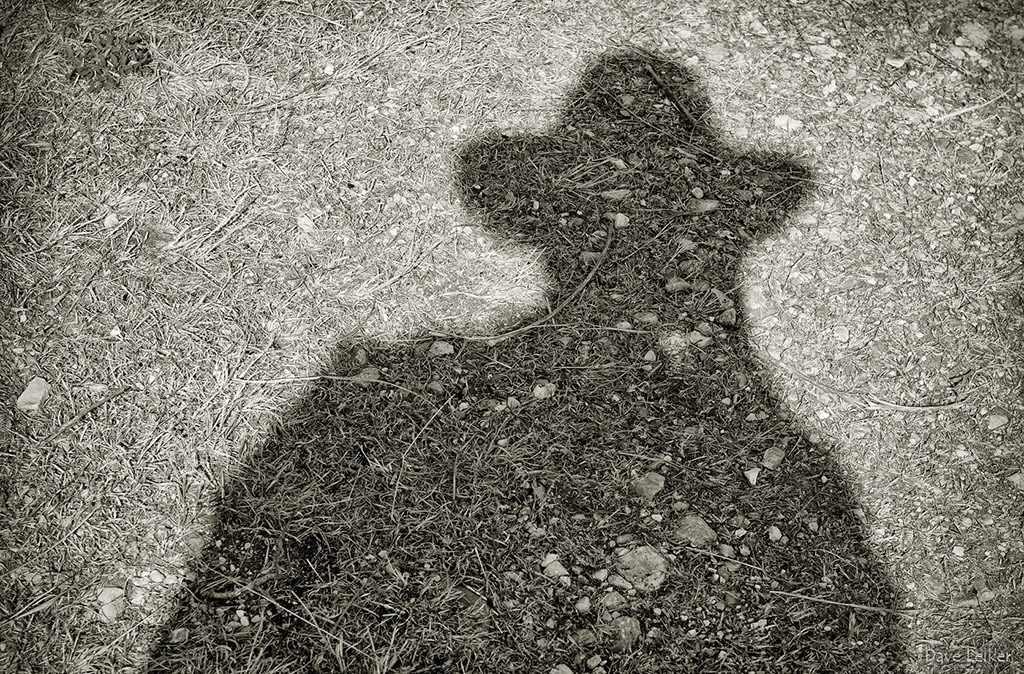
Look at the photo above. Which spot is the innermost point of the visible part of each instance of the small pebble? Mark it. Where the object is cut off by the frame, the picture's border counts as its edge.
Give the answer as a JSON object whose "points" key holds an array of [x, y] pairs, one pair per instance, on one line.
{"points": [[615, 580], [647, 318], [625, 633], [649, 485], [676, 284], [693, 530], [585, 637], [583, 605], [773, 457], [613, 600], [555, 570], [643, 568]]}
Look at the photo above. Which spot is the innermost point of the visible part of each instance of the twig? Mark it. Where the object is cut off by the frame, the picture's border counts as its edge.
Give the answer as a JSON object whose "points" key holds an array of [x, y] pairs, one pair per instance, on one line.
{"points": [[865, 607], [671, 95], [408, 269], [494, 339], [331, 22], [875, 404], [869, 402], [240, 207], [727, 559], [251, 585], [964, 111], [81, 415], [330, 377]]}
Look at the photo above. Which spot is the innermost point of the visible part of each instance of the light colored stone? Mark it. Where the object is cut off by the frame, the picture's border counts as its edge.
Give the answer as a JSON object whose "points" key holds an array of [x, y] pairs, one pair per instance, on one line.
{"points": [[615, 580], [613, 600], [33, 395], [676, 284], [645, 568], [555, 570], [111, 601], [440, 348], [649, 484], [694, 531], [773, 457], [624, 632]]}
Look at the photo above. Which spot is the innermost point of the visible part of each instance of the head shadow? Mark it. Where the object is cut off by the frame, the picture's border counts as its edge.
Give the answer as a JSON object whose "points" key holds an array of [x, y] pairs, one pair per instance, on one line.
{"points": [[400, 513]]}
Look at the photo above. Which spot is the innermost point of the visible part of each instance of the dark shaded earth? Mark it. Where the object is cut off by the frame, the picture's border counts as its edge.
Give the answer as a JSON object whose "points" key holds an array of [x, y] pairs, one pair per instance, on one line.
{"points": [[398, 524]]}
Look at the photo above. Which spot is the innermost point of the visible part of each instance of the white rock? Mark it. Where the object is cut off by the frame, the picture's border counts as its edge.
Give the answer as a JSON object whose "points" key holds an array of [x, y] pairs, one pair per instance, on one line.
{"points": [[613, 600], [111, 601], [615, 580], [773, 457], [33, 395], [625, 633], [544, 390], [440, 348], [694, 531], [1017, 480], [649, 484], [676, 284], [555, 570], [644, 568]]}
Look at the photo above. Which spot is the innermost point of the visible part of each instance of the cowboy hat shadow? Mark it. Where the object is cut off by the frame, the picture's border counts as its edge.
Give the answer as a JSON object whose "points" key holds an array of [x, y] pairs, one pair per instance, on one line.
{"points": [[581, 484]]}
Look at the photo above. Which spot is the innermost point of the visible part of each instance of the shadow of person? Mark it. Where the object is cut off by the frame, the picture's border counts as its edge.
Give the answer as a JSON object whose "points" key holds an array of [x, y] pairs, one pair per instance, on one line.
{"points": [[580, 486]]}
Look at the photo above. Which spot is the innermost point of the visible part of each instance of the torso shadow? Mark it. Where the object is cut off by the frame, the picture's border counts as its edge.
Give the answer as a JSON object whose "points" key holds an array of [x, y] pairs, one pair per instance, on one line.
{"points": [[398, 524]]}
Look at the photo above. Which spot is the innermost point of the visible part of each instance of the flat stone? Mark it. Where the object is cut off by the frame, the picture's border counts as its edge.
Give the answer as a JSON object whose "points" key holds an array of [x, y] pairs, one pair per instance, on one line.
{"points": [[613, 600], [695, 531], [649, 485], [773, 457], [645, 568], [33, 395], [555, 570], [584, 637], [440, 348], [615, 580], [624, 632]]}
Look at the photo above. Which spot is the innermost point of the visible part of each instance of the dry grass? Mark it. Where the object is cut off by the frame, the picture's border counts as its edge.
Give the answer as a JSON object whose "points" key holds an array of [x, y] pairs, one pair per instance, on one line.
{"points": [[283, 182]]}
